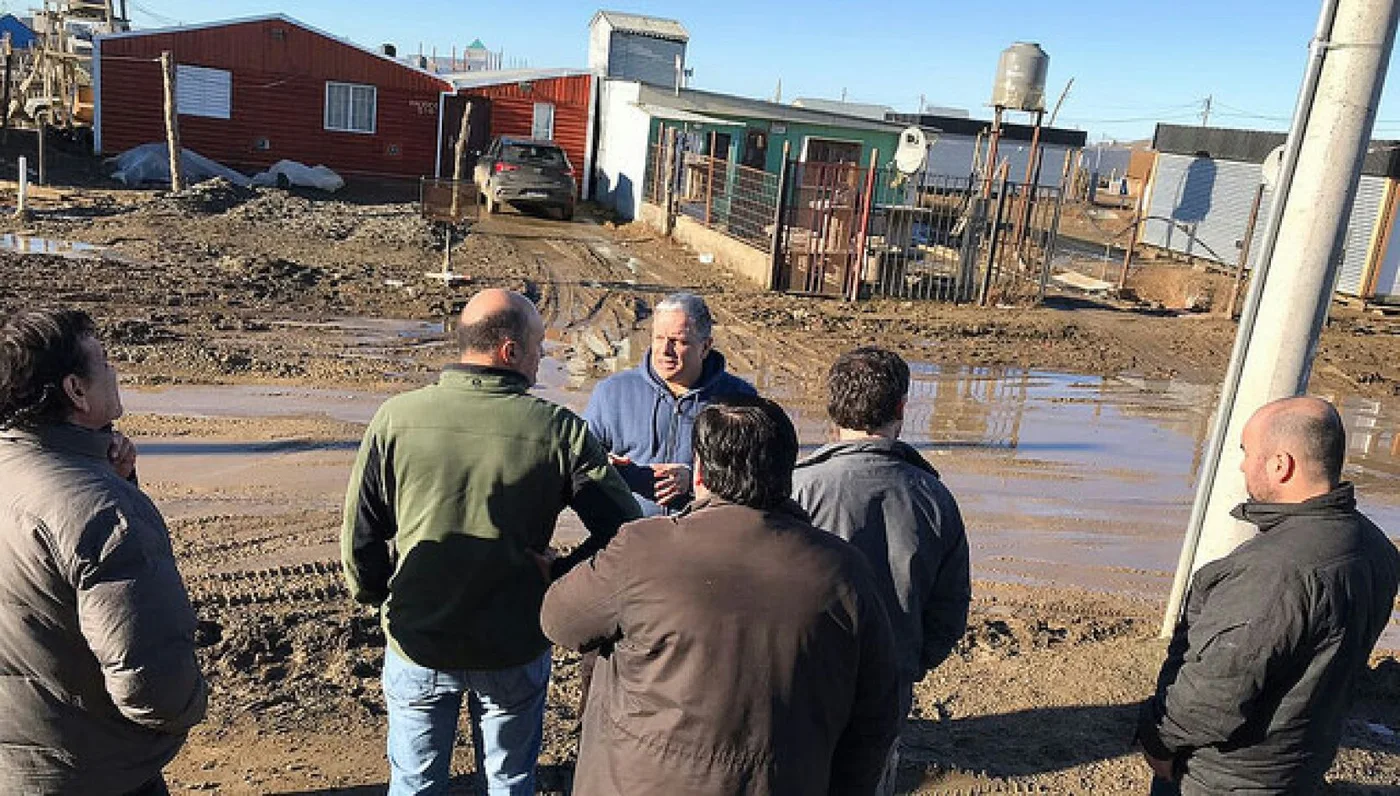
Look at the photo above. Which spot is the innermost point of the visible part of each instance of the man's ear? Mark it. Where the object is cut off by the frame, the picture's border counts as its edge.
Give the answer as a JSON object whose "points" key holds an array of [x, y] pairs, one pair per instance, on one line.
{"points": [[1287, 466], [899, 410], [75, 392]]}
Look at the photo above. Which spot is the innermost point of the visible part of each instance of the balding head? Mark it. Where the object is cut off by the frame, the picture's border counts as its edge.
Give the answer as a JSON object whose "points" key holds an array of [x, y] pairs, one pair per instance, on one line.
{"points": [[501, 329], [1294, 449]]}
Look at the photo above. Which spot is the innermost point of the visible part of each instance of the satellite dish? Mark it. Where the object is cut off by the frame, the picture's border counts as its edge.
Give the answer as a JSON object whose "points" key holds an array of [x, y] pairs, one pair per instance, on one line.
{"points": [[1273, 164], [913, 150]]}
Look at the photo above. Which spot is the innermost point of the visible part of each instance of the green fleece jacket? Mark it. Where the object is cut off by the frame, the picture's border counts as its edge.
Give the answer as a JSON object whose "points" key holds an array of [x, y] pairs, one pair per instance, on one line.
{"points": [[455, 485]]}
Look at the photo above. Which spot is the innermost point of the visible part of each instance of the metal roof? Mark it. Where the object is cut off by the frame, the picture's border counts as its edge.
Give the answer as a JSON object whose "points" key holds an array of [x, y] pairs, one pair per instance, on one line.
{"points": [[1252, 146], [677, 115], [863, 109], [711, 103], [224, 23], [496, 77], [659, 27]]}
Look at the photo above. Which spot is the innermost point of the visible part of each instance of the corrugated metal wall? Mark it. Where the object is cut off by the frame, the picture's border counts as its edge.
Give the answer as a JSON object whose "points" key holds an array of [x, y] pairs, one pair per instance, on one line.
{"points": [[279, 76], [644, 58], [1200, 207], [513, 112], [1370, 194]]}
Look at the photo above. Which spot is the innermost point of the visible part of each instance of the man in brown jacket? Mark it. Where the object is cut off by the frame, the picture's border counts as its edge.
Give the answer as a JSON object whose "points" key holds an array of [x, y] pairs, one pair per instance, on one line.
{"points": [[745, 652], [98, 678]]}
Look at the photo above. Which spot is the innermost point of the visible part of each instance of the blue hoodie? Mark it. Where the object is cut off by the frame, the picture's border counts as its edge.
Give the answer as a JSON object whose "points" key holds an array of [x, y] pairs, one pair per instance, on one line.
{"points": [[634, 414]]}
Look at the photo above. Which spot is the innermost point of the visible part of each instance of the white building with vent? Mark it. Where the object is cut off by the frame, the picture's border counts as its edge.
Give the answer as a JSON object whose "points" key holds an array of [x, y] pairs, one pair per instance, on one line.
{"points": [[636, 47]]}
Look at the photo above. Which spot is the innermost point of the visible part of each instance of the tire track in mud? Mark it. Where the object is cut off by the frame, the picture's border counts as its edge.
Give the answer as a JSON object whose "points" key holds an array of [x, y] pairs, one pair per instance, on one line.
{"points": [[311, 582]]}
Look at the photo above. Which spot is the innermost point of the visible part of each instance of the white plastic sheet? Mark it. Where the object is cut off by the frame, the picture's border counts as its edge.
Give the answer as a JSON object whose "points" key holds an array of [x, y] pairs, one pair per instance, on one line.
{"points": [[151, 163], [300, 174]]}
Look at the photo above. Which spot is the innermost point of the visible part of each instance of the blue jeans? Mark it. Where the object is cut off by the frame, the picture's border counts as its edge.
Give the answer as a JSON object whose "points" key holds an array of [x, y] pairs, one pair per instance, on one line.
{"points": [[507, 719]]}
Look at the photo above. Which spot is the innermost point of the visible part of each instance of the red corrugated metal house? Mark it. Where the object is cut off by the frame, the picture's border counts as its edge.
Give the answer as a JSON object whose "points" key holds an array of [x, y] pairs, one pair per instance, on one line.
{"points": [[555, 104], [251, 92]]}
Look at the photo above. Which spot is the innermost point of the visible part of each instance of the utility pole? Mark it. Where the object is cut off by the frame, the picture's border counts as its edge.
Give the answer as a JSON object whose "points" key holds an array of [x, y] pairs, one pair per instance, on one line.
{"points": [[1205, 112], [1291, 287], [921, 104]]}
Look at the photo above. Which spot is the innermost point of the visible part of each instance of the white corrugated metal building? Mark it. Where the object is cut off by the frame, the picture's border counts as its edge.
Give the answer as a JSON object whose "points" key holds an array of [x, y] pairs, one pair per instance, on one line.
{"points": [[636, 47], [1203, 187], [959, 140]]}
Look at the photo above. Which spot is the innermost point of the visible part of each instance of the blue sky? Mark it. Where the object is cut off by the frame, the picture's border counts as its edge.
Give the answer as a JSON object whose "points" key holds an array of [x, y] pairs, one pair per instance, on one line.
{"points": [[1133, 63]]}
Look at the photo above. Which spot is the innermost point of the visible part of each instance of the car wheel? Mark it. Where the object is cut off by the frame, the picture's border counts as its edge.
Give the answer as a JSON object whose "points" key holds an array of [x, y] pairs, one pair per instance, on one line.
{"points": [[566, 213]]}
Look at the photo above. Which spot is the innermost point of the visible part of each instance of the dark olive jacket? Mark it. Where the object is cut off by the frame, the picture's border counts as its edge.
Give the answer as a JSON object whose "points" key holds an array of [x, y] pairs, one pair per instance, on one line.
{"points": [[455, 486]]}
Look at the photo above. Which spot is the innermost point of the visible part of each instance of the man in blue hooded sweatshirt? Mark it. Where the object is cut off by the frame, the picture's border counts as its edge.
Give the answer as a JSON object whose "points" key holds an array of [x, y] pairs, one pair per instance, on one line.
{"points": [[644, 416]]}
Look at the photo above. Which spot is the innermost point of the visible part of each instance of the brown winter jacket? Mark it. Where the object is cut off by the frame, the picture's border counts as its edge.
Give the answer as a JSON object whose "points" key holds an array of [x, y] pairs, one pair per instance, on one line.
{"points": [[746, 652], [98, 678]]}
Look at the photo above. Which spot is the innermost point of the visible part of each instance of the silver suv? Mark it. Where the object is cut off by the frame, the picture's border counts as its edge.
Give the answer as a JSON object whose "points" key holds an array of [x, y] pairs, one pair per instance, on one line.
{"points": [[526, 173]]}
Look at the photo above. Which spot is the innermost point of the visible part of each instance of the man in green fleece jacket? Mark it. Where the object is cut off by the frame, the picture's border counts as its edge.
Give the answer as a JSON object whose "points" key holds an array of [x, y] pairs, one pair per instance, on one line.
{"points": [[448, 521]]}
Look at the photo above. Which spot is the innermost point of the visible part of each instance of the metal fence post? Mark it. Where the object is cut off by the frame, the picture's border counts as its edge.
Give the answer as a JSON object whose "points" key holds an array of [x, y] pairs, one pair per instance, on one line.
{"points": [[779, 216], [994, 245]]}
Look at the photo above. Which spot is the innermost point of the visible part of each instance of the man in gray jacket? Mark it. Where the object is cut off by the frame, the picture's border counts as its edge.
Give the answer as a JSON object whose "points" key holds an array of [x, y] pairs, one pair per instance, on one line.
{"points": [[1260, 671], [98, 676], [882, 496]]}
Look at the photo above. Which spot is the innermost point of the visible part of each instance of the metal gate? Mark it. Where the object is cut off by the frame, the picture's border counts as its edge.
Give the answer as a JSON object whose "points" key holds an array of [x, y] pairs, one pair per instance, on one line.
{"points": [[852, 231], [823, 218]]}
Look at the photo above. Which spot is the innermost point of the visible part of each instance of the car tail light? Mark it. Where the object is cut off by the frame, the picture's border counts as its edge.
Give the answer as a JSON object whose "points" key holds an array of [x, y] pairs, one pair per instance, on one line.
{"points": [[500, 167]]}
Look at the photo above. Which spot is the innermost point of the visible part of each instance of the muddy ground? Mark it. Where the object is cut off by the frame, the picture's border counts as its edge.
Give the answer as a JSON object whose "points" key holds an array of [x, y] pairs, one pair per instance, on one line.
{"points": [[228, 286]]}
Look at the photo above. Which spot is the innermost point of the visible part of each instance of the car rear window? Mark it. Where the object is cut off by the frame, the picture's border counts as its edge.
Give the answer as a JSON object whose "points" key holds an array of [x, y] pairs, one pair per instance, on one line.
{"points": [[534, 155]]}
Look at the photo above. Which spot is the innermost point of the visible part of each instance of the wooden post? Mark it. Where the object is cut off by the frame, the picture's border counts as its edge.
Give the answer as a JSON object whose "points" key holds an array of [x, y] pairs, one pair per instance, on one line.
{"points": [[172, 122], [1244, 253], [1132, 241], [858, 272], [459, 161], [994, 245], [9, 65], [991, 168], [43, 126], [710, 181], [23, 203], [670, 197], [775, 251]]}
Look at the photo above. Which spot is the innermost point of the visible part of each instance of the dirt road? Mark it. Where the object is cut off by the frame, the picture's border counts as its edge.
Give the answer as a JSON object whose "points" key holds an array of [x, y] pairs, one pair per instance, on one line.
{"points": [[320, 307]]}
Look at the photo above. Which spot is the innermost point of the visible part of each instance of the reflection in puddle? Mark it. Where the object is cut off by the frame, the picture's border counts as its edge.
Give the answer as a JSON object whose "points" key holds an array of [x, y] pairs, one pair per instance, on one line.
{"points": [[1064, 479], [27, 244]]}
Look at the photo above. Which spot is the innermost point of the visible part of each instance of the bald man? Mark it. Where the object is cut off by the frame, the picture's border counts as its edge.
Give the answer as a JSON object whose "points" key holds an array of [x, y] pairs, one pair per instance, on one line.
{"points": [[1258, 678], [448, 522]]}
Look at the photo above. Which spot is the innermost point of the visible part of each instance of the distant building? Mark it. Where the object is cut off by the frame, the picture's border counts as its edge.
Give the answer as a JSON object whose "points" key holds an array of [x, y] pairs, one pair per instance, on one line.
{"points": [[21, 35], [480, 59], [956, 147], [636, 47], [859, 109], [1204, 183]]}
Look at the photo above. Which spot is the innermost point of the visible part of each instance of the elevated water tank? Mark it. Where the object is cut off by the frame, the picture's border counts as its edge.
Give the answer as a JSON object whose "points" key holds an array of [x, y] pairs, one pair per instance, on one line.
{"points": [[1020, 84]]}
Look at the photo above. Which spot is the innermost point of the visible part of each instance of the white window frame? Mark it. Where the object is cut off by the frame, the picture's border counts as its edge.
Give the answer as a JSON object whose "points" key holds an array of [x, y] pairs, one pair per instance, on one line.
{"points": [[202, 91], [351, 88], [535, 122]]}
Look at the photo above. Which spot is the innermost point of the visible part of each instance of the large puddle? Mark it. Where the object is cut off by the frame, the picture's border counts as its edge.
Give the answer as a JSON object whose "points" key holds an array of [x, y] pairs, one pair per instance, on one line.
{"points": [[1064, 479]]}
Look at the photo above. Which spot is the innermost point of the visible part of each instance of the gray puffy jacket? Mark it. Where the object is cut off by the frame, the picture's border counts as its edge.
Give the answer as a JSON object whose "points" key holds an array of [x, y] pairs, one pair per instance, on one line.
{"points": [[98, 678], [1260, 671]]}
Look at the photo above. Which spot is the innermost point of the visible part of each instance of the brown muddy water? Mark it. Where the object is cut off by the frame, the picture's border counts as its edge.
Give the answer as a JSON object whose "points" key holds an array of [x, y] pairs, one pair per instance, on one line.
{"points": [[1064, 479]]}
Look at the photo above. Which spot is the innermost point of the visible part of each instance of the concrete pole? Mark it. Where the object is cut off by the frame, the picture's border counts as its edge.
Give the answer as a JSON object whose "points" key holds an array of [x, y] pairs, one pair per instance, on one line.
{"points": [[172, 122], [1288, 303]]}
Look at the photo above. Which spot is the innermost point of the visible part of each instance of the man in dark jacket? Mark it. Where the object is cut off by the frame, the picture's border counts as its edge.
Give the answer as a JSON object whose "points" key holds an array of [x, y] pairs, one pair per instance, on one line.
{"points": [[465, 480], [882, 496], [644, 416], [746, 652], [98, 676], [1260, 671]]}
